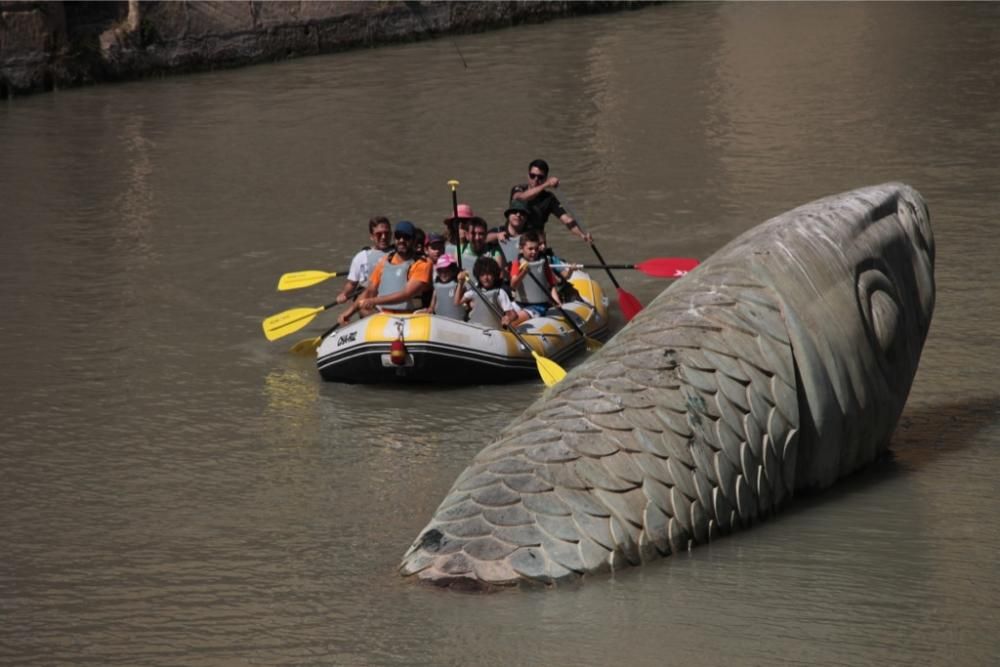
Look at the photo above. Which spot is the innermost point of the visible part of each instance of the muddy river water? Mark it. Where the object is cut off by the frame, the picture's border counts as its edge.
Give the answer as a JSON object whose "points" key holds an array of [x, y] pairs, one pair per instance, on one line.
{"points": [[175, 490]]}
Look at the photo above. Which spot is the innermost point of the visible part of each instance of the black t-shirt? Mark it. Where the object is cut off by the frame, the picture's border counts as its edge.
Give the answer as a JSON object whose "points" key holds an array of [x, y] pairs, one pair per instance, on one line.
{"points": [[541, 207]]}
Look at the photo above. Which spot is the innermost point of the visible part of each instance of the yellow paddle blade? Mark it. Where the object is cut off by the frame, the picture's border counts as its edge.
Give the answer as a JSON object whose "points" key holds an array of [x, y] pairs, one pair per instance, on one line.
{"points": [[300, 279], [550, 371], [307, 346], [289, 321]]}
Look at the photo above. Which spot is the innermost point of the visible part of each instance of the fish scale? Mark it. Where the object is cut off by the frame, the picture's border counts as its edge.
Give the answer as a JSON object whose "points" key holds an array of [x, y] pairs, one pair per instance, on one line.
{"points": [[689, 424]]}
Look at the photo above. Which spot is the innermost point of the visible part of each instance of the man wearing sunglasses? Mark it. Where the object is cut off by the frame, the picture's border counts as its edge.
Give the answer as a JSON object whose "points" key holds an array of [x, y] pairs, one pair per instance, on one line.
{"points": [[536, 193], [398, 280], [380, 232]]}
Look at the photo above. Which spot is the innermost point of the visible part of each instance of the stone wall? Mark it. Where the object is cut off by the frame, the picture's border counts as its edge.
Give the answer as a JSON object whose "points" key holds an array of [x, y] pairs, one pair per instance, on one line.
{"points": [[56, 44]]}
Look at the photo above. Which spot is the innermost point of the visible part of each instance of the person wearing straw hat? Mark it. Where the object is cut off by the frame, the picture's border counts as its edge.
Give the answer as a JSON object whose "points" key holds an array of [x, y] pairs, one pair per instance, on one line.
{"points": [[458, 224]]}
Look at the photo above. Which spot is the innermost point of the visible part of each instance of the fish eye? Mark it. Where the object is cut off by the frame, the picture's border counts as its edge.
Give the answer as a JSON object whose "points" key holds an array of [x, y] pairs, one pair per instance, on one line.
{"points": [[880, 308]]}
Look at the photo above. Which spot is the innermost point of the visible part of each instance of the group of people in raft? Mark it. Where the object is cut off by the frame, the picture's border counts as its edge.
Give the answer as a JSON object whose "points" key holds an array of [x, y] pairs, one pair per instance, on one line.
{"points": [[512, 266]]}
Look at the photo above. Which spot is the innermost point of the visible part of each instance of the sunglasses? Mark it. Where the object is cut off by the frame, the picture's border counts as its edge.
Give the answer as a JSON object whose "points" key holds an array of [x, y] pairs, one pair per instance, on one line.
{"points": [[398, 236], [536, 177]]}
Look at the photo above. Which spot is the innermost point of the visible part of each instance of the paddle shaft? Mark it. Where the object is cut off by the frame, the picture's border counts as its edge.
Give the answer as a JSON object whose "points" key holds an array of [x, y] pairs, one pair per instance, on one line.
{"points": [[353, 295], [555, 303], [597, 252], [329, 331], [277, 323], [596, 266], [607, 267], [496, 311], [356, 292], [453, 184], [550, 371], [310, 315], [629, 304]]}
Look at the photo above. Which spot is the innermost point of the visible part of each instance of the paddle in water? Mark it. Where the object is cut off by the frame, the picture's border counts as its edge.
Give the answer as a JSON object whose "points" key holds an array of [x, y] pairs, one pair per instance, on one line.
{"points": [[309, 345], [627, 301]]}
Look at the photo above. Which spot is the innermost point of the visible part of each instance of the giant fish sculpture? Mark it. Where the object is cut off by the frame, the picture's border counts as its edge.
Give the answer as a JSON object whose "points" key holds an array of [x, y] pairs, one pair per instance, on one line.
{"points": [[781, 363]]}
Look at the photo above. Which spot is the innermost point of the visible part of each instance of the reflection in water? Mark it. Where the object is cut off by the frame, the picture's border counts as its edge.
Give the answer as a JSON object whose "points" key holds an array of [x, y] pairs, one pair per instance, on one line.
{"points": [[177, 490], [290, 394], [134, 209]]}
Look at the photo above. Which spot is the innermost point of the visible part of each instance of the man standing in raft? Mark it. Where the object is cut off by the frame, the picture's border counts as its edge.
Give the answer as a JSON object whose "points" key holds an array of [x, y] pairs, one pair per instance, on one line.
{"points": [[398, 280], [542, 203]]}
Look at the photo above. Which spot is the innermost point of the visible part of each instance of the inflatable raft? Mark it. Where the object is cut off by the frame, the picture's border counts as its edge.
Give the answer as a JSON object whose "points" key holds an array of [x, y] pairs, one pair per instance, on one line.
{"points": [[389, 347]]}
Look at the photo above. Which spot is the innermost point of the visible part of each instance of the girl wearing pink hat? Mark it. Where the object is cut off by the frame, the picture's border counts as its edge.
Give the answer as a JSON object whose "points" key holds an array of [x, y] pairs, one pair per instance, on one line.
{"points": [[444, 300]]}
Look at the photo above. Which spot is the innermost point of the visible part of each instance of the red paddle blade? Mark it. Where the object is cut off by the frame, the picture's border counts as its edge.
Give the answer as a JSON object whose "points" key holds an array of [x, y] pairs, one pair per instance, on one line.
{"points": [[629, 304], [667, 267]]}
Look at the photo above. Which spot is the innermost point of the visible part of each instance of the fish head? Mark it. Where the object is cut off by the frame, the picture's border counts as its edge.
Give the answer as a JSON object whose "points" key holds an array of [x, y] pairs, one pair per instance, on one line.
{"points": [[854, 275]]}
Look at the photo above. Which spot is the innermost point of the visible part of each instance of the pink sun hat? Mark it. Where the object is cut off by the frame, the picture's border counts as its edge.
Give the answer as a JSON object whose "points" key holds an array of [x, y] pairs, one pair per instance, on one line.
{"points": [[465, 212], [444, 261]]}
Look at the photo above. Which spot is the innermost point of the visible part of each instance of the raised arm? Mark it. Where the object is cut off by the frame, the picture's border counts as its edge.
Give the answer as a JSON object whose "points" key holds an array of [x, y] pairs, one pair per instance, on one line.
{"points": [[534, 191]]}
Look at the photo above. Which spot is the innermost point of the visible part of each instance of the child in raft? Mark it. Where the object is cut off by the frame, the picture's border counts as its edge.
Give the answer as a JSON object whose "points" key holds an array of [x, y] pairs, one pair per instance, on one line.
{"points": [[434, 249], [444, 299], [487, 273], [532, 278]]}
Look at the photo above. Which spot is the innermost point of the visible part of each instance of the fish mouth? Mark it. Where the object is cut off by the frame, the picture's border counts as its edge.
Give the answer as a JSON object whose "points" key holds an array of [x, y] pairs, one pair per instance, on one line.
{"points": [[433, 560]]}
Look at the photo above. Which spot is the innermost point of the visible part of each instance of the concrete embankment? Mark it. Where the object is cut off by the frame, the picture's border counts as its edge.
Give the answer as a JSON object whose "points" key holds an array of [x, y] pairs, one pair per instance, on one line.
{"points": [[46, 45]]}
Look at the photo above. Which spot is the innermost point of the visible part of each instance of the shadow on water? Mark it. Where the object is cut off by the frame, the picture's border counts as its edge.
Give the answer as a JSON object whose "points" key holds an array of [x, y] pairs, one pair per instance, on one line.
{"points": [[923, 435], [927, 432]]}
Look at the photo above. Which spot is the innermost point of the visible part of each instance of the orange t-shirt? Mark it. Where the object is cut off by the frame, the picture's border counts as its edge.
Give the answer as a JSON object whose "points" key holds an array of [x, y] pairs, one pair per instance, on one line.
{"points": [[420, 270]]}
